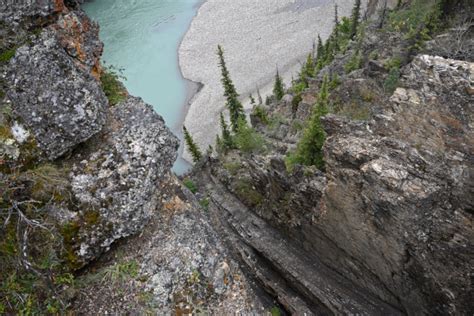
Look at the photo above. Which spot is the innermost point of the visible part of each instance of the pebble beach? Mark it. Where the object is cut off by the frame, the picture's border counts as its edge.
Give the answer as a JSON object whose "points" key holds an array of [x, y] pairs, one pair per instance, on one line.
{"points": [[258, 37]]}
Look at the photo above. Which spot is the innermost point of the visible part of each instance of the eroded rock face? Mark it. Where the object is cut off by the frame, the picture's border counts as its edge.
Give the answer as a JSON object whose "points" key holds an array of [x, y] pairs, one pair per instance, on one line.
{"points": [[396, 195], [116, 181], [13, 10], [58, 100], [392, 211]]}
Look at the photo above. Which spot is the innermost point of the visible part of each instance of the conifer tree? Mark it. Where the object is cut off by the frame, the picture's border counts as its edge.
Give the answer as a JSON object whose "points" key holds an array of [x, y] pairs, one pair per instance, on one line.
{"points": [[328, 51], [310, 148], [336, 29], [227, 141], [233, 104], [192, 146], [355, 18], [278, 89], [320, 51], [308, 70], [260, 100]]}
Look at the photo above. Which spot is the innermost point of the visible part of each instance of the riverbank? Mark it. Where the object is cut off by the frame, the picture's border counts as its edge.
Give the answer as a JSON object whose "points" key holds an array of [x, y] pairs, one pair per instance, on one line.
{"points": [[257, 38], [142, 38]]}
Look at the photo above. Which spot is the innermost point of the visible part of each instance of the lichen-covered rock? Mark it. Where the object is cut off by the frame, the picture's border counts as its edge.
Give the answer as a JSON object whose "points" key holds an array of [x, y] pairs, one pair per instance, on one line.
{"points": [[13, 10], [59, 101], [80, 38], [116, 180], [396, 199]]}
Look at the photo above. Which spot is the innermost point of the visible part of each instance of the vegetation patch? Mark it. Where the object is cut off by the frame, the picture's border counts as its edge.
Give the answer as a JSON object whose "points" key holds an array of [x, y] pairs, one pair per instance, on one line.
{"points": [[232, 167], [111, 84], [248, 193], [188, 183], [260, 113], [7, 54], [247, 139]]}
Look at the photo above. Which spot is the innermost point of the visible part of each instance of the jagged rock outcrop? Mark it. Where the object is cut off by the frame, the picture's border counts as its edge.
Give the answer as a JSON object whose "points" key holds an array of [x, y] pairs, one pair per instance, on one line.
{"points": [[184, 268], [391, 212], [54, 102], [15, 11], [116, 180], [60, 103], [77, 175]]}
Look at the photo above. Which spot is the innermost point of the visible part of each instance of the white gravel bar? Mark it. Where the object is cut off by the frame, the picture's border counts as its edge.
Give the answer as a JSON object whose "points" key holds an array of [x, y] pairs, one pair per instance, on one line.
{"points": [[257, 36]]}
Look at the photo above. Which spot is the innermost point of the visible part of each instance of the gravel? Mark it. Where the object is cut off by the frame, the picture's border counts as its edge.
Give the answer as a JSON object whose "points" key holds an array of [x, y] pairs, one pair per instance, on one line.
{"points": [[258, 37]]}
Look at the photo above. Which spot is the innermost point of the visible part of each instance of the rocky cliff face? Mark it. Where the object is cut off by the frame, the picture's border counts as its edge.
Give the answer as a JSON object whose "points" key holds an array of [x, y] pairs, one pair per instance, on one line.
{"points": [[56, 104], [386, 228], [80, 175], [93, 221]]}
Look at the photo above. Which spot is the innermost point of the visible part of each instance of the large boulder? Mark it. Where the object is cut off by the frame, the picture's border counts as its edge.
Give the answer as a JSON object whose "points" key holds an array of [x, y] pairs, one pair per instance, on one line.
{"points": [[115, 179], [13, 10], [54, 96]]}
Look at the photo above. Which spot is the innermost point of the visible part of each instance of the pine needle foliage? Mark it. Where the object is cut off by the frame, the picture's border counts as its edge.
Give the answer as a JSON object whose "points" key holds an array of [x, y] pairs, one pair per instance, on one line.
{"points": [[232, 97], [310, 148], [278, 88], [192, 146]]}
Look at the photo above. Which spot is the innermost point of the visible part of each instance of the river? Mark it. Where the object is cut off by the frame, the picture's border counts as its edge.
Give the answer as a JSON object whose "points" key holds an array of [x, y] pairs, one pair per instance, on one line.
{"points": [[142, 38]]}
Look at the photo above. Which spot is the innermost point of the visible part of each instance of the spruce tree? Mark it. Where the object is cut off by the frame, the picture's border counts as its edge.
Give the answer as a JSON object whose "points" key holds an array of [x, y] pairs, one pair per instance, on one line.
{"points": [[308, 70], [328, 51], [310, 148], [355, 18], [233, 104], [278, 89], [260, 100], [336, 29], [320, 51], [192, 146], [227, 141]]}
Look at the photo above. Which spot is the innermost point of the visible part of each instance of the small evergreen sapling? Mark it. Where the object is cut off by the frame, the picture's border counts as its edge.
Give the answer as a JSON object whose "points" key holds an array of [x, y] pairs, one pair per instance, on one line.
{"points": [[278, 88], [192, 146], [226, 141], [355, 18], [232, 97]]}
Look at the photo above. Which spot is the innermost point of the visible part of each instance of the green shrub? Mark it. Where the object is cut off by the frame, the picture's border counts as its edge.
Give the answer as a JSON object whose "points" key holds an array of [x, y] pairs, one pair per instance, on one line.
{"points": [[309, 149], [418, 21], [247, 139], [248, 193], [232, 167], [354, 63], [6, 55], [275, 311], [188, 183], [259, 112], [298, 87], [204, 203], [295, 103], [111, 84], [391, 82]]}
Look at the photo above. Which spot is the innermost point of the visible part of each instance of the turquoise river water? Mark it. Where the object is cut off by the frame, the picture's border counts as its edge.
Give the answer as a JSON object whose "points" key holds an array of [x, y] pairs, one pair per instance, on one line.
{"points": [[142, 38]]}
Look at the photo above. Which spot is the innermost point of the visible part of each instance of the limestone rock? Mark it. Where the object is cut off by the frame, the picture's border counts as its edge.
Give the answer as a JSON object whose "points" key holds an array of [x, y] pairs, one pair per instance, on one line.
{"points": [[117, 179], [59, 101]]}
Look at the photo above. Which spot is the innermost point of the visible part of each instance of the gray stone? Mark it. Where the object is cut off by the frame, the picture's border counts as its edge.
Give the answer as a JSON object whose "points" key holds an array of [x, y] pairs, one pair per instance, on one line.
{"points": [[118, 178], [57, 99]]}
